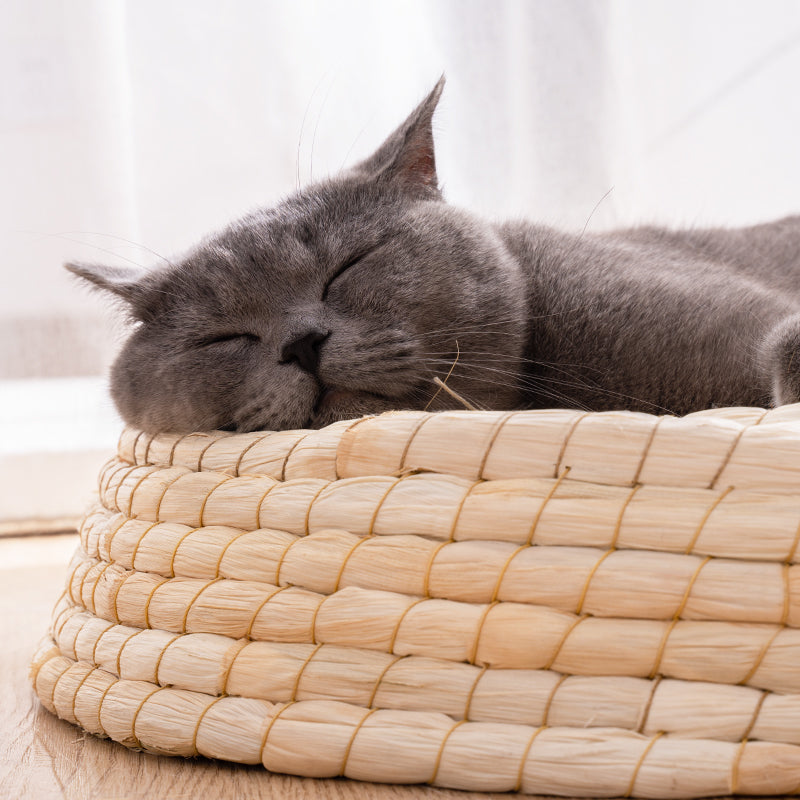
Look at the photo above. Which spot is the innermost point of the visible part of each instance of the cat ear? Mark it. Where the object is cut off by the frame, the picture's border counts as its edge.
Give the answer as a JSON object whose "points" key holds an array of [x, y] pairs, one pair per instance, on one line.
{"points": [[125, 282], [407, 157]]}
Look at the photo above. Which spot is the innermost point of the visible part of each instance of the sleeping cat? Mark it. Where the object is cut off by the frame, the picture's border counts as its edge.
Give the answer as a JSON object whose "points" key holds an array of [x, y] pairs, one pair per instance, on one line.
{"points": [[352, 295]]}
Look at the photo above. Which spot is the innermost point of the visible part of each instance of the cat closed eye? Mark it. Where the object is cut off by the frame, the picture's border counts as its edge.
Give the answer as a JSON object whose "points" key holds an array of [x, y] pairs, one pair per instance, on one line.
{"points": [[244, 338], [349, 263]]}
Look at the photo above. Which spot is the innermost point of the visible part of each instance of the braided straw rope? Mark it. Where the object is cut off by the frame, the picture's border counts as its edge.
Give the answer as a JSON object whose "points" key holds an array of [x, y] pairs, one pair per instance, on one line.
{"points": [[548, 601]]}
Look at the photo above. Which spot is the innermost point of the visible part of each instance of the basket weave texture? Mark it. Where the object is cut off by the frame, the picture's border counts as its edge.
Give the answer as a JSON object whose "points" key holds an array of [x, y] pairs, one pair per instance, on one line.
{"points": [[554, 602]]}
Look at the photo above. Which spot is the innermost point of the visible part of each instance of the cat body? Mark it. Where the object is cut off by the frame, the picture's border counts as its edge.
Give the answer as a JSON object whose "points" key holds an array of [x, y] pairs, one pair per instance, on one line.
{"points": [[352, 295], [660, 321]]}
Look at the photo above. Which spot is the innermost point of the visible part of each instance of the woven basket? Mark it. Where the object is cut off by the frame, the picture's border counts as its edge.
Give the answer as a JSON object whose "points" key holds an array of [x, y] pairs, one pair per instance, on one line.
{"points": [[547, 601]]}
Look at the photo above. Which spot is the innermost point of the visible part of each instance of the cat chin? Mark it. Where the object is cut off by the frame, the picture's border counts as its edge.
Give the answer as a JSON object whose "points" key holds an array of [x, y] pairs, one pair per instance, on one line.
{"points": [[336, 404]]}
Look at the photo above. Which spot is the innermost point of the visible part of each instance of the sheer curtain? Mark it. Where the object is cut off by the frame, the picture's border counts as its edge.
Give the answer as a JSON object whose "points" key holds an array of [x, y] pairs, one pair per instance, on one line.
{"points": [[130, 128]]}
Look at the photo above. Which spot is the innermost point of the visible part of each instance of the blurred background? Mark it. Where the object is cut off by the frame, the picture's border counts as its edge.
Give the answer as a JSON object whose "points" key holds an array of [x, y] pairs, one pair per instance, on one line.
{"points": [[129, 128]]}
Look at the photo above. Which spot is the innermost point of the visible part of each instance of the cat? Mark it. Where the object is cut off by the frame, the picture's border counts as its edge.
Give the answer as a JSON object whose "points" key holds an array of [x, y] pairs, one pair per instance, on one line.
{"points": [[352, 295]]}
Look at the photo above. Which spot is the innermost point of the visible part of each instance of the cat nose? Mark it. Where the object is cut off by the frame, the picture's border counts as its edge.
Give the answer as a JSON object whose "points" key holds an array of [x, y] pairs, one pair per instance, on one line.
{"points": [[304, 349]]}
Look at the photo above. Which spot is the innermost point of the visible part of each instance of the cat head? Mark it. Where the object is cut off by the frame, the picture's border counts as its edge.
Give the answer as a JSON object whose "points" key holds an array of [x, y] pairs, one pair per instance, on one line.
{"points": [[345, 299]]}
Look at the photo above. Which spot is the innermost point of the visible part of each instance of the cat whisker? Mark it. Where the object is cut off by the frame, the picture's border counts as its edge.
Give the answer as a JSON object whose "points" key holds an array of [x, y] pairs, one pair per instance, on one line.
{"points": [[543, 386], [460, 328], [302, 129], [544, 392], [442, 333], [522, 379], [316, 125], [592, 212], [352, 145], [88, 244], [504, 320], [491, 358], [138, 245], [493, 382]]}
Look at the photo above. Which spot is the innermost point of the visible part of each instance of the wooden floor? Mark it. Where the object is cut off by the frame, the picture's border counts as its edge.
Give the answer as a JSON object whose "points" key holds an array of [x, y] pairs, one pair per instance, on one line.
{"points": [[42, 757]]}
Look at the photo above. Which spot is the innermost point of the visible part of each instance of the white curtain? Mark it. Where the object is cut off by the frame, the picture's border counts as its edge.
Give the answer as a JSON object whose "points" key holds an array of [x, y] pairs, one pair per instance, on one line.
{"points": [[129, 128], [155, 121]]}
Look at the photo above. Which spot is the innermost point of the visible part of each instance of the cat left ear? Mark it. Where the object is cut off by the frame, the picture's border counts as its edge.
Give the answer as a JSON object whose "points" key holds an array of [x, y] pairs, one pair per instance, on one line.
{"points": [[407, 157], [121, 281]]}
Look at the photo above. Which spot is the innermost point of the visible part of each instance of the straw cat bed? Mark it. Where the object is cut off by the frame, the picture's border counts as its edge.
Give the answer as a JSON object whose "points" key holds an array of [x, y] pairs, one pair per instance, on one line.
{"points": [[547, 601]]}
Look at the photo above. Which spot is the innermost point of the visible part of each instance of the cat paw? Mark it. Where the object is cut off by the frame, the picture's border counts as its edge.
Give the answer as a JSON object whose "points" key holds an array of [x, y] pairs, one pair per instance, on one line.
{"points": [[781, 358]]}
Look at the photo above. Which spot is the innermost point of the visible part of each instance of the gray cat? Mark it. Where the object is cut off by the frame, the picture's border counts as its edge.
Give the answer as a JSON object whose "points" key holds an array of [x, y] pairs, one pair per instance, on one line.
{"points": [[352, 295]]}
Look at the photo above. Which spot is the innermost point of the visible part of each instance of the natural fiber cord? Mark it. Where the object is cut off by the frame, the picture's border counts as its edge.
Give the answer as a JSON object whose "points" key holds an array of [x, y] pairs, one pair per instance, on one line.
{"points": [[552, 602]]}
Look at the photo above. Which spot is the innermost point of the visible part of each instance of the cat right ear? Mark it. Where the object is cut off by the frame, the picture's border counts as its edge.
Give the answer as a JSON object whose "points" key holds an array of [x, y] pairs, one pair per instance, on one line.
{"points": [[407, 157], [121, 281]]}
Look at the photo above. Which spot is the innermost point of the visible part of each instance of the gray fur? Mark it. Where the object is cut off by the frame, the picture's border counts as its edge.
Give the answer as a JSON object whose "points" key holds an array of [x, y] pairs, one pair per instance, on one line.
{"points": [[351, 295]]}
